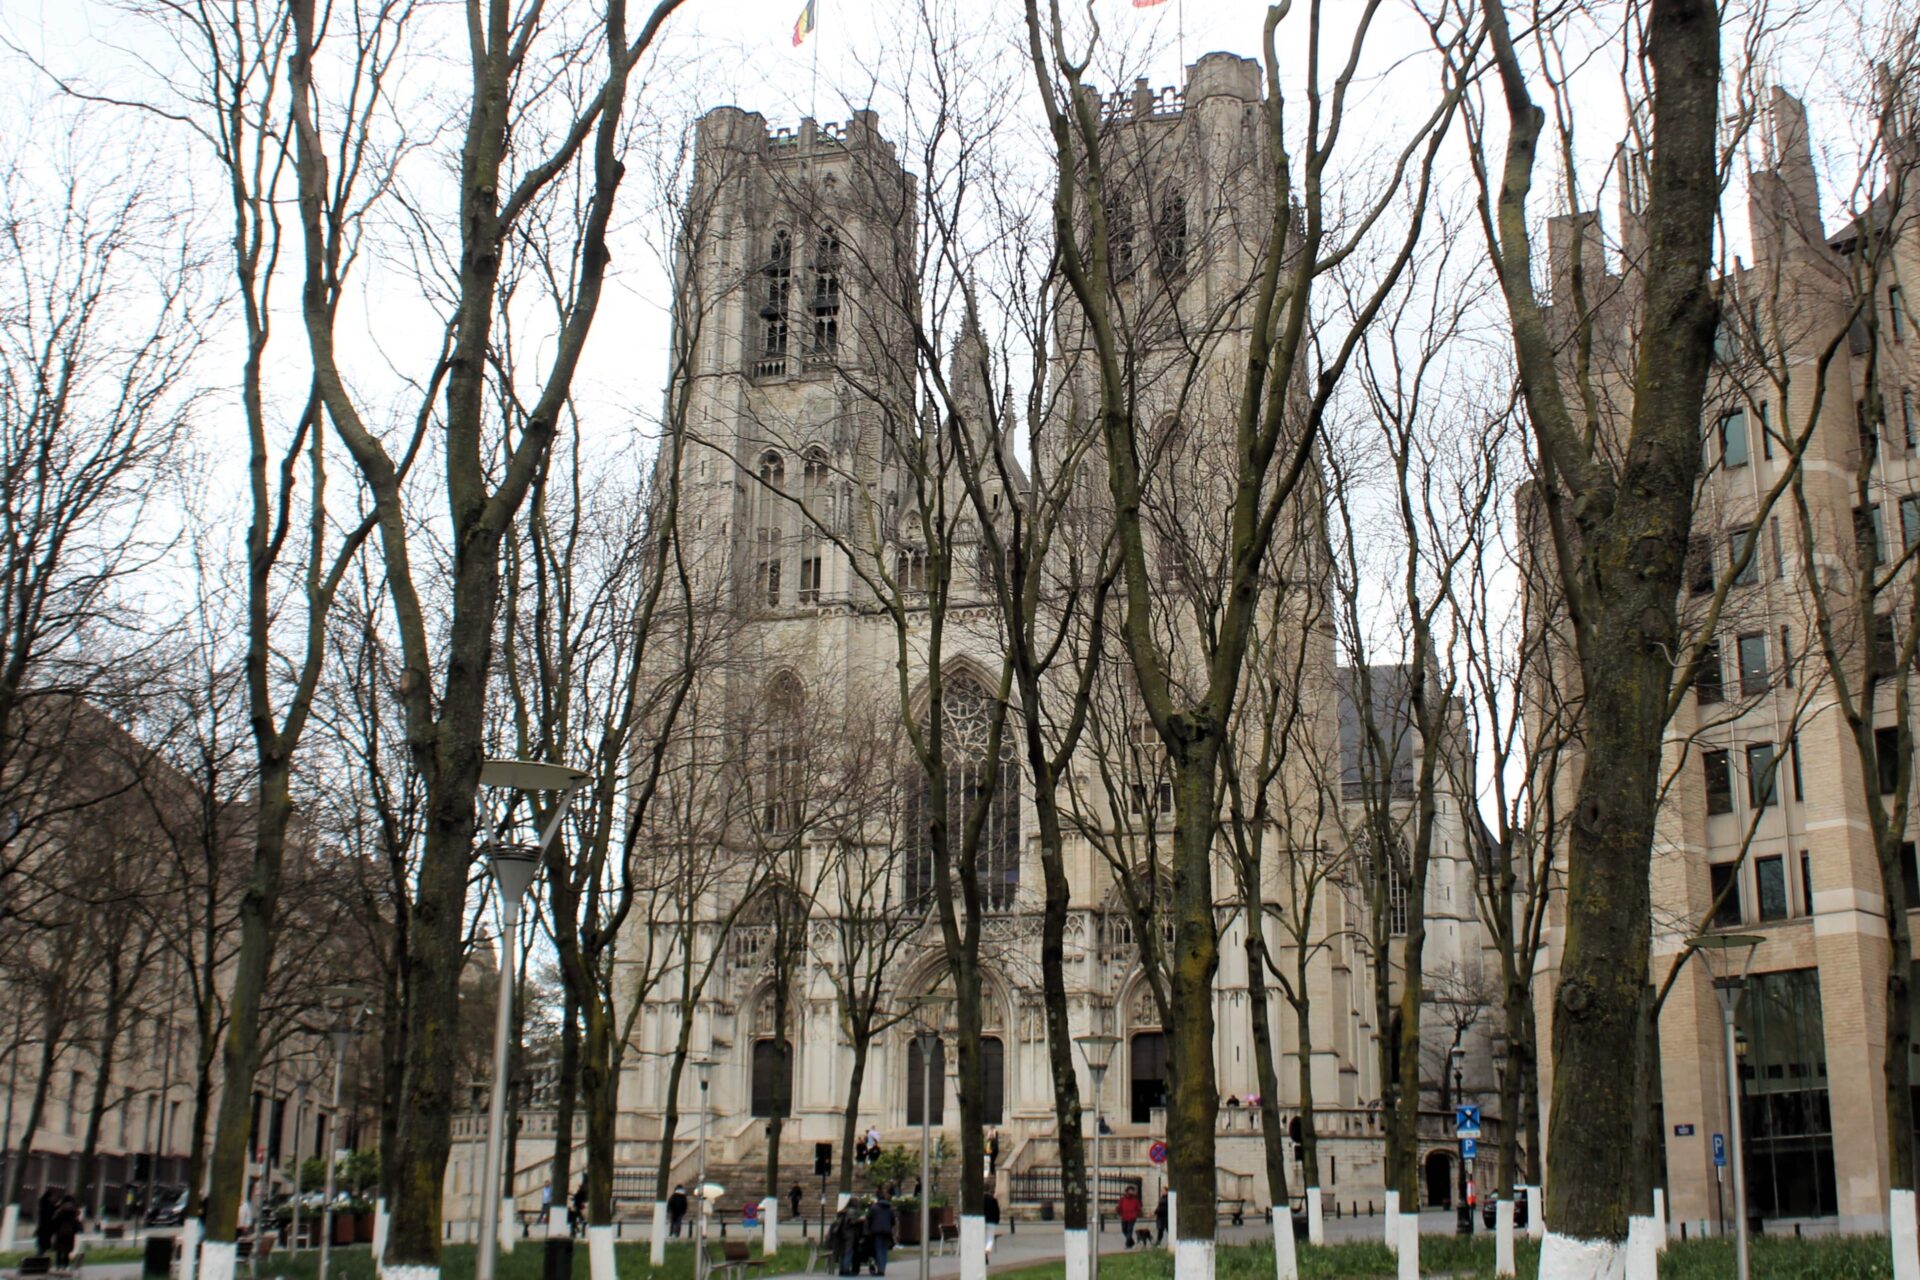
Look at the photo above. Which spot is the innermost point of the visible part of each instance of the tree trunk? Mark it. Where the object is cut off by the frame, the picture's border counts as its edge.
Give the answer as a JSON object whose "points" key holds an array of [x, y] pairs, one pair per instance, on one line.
{"points": [[600, 1092], [850, 1122], [782, 1032], [202, 1118], [1053, 987], [17, 1167], [1273, 1133], [1196, 945], [436, 939], [670, 1116], [97, 1103], [1899, 1056], [562, 1176], [1405, 1171], [240, 1051], [1309, 1141]]}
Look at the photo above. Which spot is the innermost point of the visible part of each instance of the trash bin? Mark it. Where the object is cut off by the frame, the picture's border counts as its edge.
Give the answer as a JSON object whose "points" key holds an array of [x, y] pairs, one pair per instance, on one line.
{"points": [[159, 1256], [557, 1263]]}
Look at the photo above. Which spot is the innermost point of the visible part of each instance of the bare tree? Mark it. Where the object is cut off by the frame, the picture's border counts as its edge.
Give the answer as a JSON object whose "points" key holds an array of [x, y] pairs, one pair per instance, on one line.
{"points": [[1270, 404]]}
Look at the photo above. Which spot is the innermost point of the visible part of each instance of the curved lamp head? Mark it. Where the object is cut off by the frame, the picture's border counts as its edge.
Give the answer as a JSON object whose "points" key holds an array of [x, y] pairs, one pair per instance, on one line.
{"points": [[513, 869], [710, 1191], [1728, 955], [531, 775], [1097, 1050], [703, 1069]]}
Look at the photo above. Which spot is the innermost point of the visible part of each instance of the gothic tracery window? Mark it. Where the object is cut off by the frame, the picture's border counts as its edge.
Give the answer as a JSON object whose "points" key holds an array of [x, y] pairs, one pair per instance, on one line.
{"points": [[779, 285], [785, 783], [967, 714], [826, 298]]}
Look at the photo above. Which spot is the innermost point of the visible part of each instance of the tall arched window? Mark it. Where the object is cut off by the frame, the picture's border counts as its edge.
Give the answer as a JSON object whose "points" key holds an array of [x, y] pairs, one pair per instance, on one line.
{"points": [[967, 715], [1146, 1075], [1170, 235], [826, 297], [768, 552], [779, 287], [784, 807]]}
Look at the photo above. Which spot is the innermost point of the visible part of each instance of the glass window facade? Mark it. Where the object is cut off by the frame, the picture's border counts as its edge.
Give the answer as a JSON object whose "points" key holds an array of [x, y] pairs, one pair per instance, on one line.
{"points": [[1783, 1104]]}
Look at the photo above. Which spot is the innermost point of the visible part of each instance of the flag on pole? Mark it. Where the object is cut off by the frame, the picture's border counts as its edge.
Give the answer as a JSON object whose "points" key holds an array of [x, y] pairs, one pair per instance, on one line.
{"points": [[803, 25], [1147, 4]]}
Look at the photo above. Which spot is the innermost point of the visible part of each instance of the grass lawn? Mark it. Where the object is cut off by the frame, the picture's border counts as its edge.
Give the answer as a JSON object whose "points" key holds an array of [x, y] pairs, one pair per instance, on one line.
{"points": [[95, 1253], [1777, 1258], [526, 1262]]}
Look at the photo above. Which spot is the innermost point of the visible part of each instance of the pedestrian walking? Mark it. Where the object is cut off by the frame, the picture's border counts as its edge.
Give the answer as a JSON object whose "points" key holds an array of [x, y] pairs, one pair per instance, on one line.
{"points": [[880, 1229], [1160, 1219], [793, 1198], [43, 1213], [66, 1227], [577, 1220], [1129, 1212], [990, 1210], [676, 1209]]}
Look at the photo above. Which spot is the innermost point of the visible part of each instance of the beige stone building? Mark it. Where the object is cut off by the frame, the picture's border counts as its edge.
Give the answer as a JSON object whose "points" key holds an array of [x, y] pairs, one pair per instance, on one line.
{"points": [[1764, 828]]}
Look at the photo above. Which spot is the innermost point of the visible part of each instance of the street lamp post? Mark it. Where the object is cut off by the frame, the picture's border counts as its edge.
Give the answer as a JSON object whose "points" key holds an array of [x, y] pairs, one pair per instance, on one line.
{"points": [[514, 866], [703, 1072], [928, 1038], [1097, 1049], [341, 1037], [1729, 956], [1463, 1219]]}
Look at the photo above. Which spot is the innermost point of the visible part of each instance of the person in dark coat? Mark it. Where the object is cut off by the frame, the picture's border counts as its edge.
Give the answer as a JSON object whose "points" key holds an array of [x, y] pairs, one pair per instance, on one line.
{"points": [[880, 1228], [577, 1221], [43, 1212], [1160, 1220], [676, 1210], [793, 1198], [66, 1226], [990, 1211]]}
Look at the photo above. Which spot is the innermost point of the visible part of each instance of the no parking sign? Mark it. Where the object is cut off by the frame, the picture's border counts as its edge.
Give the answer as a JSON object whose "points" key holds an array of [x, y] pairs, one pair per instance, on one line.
{"points": [[1157, 1152]]}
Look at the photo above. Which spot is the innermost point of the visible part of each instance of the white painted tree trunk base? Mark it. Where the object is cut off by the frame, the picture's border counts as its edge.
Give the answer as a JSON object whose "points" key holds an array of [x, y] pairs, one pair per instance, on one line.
{"points": [[189, 1248], [1192, 1259], [600, 1252], [9, 1223], [1079, 1253], [217, 1259], [973, 1247], [842, 1201], [1407, 1250], [1565, 1258], [657, 1237], [380, 1236], [770, 1232], [506, 1224], [1316, 1218], [1536, 1214], [1286, 1265], [1643, 1248], [1392, 1217], [412, 1271], [1503, 1239], [1172, 1244], [1660, 1228], [1903, 1227]]}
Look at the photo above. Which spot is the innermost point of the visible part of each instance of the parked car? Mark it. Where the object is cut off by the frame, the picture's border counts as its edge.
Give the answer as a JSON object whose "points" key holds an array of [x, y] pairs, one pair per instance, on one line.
{"points": [[1488, 1209], [168, 1208]]}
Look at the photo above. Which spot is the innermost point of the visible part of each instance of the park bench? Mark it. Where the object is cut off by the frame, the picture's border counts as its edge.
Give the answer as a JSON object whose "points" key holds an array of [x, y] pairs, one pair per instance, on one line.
{"points": [[730, 1255], [34, 1264], [1235, 1210]]}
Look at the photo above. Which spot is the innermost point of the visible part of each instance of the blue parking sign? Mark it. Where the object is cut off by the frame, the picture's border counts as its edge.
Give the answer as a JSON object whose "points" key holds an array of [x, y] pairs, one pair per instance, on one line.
{"points": [[1469, 1148], [1719, 1150]]}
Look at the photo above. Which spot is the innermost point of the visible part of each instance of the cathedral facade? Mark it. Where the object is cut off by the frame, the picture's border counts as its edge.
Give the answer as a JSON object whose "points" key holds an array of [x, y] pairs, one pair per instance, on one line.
{"points": [[802, 371]]}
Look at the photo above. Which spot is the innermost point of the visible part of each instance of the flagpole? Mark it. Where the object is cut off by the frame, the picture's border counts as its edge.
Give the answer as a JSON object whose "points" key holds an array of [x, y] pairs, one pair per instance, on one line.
{"points": [[813, 82]]}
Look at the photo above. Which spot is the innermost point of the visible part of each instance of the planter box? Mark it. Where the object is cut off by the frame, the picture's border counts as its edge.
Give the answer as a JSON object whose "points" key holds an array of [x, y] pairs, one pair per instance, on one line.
{"points": [[363, 1228], [343, 1228]]}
